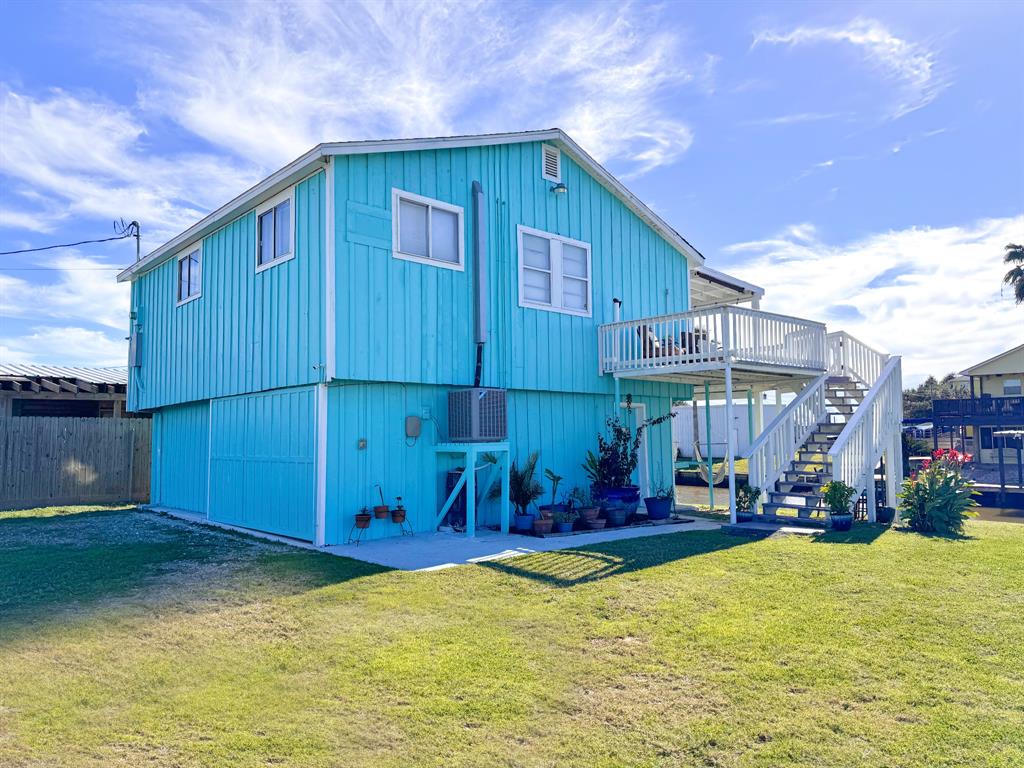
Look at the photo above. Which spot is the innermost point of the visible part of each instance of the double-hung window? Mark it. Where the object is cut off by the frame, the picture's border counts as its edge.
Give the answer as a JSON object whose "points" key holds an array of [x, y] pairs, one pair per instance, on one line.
{"points": [[190, 273], [554, 273], [426, 230], [274, 228]]}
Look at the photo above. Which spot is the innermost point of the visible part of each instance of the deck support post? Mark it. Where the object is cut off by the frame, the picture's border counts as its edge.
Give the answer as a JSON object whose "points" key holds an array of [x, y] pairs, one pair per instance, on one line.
{"points": [[471, 493], [750, 415], [730, 442], [869, 460], [708, 456]]}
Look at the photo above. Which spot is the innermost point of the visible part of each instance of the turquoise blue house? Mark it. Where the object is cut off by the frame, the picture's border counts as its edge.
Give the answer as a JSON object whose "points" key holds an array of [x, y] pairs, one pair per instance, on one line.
{"points": [[283, 342]]}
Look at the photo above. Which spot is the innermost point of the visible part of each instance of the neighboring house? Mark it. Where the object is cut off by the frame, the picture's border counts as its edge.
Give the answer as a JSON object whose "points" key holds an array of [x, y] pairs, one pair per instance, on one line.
{"points": [[996, 402], [298, 346], [56, 390]]}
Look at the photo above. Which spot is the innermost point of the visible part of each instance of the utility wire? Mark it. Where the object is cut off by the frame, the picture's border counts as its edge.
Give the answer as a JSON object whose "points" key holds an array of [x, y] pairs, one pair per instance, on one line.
{"points": [[68, 245]]}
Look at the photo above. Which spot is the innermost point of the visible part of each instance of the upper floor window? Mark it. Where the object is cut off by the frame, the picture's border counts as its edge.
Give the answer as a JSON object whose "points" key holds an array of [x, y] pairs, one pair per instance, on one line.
{"points": [[190, 266], [426, 230], [1011, 387], [554, 272], [274, 228]]}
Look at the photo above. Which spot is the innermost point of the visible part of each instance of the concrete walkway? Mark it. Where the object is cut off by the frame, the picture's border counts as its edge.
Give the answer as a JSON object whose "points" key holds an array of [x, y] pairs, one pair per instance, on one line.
{"points": [[433, 551]]}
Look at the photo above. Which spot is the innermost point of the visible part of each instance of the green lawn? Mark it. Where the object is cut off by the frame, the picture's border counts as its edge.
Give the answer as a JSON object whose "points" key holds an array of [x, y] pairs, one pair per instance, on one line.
{"points": [[131, 639]]}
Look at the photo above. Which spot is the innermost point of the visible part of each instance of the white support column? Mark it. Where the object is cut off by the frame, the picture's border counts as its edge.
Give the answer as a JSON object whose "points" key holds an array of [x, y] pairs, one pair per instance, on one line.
{"points": [[869, 466], [505, 470], [471, 492], [320, 521], [730, 441]]}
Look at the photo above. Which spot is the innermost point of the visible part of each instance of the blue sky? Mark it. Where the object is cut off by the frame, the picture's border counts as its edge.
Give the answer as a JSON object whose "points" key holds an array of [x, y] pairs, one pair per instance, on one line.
{"points": [[864, 162]]}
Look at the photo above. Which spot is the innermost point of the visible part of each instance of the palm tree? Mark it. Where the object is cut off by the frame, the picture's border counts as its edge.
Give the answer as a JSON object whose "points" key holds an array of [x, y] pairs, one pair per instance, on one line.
{"points": [[1015, 277]]}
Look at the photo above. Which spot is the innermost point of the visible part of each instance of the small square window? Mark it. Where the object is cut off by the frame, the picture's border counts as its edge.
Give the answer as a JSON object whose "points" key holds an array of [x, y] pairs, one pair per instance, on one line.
{"points": [[1011, 387], [426, 230], [274, 225], [189, 275]]}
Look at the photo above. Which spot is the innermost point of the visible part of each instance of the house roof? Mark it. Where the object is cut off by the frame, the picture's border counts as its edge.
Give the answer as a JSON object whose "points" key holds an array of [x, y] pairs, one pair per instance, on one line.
{"points": [[321, 154], [992, 364], [18, 372], [709, 287]]}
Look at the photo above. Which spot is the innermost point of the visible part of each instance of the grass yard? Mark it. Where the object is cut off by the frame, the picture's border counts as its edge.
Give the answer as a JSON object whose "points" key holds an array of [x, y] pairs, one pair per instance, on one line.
{"points": [[131, 639]]}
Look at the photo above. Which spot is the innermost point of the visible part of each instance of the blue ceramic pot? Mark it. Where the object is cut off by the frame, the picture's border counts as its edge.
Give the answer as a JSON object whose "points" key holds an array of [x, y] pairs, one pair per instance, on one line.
{"points": [[524, 523], [658, 509], [842, 522], [565, 527]]}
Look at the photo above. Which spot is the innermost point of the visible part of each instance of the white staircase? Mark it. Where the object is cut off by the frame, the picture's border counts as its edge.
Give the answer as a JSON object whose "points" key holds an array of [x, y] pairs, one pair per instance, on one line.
{"points": [[838, 428]]}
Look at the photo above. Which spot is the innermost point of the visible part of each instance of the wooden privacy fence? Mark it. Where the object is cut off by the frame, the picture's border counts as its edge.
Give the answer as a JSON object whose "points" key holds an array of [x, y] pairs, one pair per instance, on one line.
{"points": [[46, 461]]}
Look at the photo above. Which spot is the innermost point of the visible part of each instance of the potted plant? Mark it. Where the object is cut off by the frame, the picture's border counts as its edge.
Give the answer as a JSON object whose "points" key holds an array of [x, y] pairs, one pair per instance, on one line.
{"points": [[363, 518], [548, 510], [837, 495], [523, 490], [381, 510], [611, 468], [543, 522], [659, 506], [583, 504], [885, 515], [615, 513], [398, 513], [746, 500], [564, 519]]}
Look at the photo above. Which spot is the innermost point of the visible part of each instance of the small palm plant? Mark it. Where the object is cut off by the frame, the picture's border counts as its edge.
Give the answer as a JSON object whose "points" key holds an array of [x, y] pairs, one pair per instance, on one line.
{"points": [[523, 488], [1015, 277]]}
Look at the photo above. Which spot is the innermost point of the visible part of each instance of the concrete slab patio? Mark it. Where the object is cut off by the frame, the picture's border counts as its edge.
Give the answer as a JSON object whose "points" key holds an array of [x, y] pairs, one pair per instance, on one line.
{"points": [[433, 551]]}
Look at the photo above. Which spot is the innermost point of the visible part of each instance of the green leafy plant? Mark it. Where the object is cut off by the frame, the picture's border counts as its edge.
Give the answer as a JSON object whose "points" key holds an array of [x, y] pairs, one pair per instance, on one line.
{"points": [[618, 453], [746, 497], [938, 498], [554, 480], [837, 495], [580, 498], [523, 488], [565, 515]]}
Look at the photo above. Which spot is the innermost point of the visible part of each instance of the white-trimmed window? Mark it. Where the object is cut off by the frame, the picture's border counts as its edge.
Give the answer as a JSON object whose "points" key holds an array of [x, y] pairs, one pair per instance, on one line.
{"points": [[1011, 387], [275, 228], [190, 275], [554, 272], [426, 230], [550, 163]]}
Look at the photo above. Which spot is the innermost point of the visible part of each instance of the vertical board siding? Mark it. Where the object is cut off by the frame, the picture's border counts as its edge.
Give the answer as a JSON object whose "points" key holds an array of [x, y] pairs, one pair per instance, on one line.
{"points": [[180, 453], [248, 331], [46, 461], [405, 321], [263, 461], [561, 426]]}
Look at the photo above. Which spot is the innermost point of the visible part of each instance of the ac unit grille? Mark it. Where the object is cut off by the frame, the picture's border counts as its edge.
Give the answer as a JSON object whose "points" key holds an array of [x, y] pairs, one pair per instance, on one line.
{"points": [[477, 415]]}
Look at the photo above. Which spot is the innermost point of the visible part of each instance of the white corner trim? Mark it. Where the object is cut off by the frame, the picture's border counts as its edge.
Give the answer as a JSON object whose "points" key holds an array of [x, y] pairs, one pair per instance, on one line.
{"points": [[556, 276], [320, 521], [330, 295], [400, 194]]}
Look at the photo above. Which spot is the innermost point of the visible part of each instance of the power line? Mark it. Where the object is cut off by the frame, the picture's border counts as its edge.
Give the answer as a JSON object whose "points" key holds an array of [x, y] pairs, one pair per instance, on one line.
{"points": [[68, 245]]}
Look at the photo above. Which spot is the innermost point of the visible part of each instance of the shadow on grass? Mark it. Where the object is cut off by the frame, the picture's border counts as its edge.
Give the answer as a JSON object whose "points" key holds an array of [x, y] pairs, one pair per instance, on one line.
{"points": [[569, 567], [861, 533], [102, 560]]}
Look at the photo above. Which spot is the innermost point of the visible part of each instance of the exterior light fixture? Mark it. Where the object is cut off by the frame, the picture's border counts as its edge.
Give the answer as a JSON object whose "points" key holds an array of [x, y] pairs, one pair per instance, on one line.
{"points": [[559, 188]]}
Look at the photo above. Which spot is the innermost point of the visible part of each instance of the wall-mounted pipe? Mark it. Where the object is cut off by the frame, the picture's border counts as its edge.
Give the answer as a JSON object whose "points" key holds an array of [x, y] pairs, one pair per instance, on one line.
{"points": [[480, 267]]}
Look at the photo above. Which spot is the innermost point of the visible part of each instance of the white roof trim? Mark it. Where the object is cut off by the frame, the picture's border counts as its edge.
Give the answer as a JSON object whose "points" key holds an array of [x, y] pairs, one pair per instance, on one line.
{"points": [[300, 168], [967, 371]]}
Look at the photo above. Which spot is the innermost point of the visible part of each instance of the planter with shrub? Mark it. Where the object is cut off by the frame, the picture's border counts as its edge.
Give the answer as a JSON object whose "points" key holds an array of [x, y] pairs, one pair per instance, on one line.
{"points": [[837, 495], [746, 500], [523, 490], [938, 498]]}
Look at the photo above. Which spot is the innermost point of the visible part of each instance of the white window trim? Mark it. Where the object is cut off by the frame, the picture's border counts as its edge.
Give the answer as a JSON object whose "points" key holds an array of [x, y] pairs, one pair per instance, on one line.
{"points": [[263, 208], [398, 194], [177, 273], [543, 166], [556, 274]]}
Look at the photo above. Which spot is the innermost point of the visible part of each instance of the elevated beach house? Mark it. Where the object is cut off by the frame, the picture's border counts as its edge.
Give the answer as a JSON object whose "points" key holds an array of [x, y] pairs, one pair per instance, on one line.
{"points": [[377, 316]]}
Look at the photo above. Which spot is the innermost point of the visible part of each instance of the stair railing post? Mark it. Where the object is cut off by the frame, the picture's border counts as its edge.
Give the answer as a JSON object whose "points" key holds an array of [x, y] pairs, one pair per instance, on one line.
{"points": [[869, 464]]}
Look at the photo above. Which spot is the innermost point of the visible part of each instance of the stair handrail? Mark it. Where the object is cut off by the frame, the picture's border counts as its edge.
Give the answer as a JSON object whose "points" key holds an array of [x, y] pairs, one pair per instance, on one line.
{"points": [[770, 455], [859, 446], [849, 356]]}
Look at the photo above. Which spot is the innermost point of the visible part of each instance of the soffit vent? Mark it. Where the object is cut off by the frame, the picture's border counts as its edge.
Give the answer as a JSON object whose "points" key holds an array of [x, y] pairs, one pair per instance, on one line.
{"points": [[551, 163]]}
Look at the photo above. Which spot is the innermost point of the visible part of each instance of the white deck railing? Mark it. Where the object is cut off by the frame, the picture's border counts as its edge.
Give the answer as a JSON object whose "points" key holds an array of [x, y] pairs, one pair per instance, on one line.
{"points": [[772, 452], [849, 356], [709, 338], [856, 451]]}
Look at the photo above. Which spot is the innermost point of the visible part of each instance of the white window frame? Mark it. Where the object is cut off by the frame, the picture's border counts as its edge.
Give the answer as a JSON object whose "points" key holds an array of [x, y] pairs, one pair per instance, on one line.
{"points": [[194, 248], [398, 195], [543, 166], [556, 272], [1020, 383], [263, 208]]}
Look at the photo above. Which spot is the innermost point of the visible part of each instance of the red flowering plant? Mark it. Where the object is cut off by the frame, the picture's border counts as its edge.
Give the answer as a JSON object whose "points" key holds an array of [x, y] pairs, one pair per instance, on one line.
{"points": [[938, 498]]}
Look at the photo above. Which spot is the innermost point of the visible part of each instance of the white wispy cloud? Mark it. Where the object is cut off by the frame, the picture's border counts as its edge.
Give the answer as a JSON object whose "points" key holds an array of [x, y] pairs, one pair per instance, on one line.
{"points": [[66, 345], [912, 66], [796, 117], [931, 295], [293, 74], [68, 156]]}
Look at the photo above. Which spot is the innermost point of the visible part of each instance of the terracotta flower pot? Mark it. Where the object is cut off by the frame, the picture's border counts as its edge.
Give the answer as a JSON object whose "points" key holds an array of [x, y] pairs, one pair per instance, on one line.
{"points": [[596, 524], [363, 520], [397, 515], [381, 511], [589, 513], [542, 524]]}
